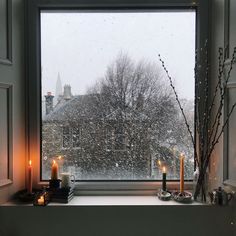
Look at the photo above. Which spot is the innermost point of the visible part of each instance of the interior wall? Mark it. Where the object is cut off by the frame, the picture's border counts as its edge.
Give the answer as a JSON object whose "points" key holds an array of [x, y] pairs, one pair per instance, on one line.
{"points": [[12, 74], [116, 221], [218, 29]]}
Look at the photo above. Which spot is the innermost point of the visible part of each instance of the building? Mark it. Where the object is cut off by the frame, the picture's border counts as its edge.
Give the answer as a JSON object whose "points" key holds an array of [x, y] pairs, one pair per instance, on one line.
{"points": [[98, 145]]}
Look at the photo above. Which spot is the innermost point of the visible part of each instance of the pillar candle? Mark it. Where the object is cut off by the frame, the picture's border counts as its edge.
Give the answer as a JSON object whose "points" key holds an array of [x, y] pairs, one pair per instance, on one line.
{"points": [[29, 187], [54, 170], [181, 173], [164, 179]]}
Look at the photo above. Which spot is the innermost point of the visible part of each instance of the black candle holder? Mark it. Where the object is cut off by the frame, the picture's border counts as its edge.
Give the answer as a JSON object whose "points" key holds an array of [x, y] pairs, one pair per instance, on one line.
{"points": [[54, 183], [25, 196]]}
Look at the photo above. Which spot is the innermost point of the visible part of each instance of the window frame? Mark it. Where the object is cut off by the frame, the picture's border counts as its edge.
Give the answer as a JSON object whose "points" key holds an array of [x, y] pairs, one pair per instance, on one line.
{"points": [[33, 74]]}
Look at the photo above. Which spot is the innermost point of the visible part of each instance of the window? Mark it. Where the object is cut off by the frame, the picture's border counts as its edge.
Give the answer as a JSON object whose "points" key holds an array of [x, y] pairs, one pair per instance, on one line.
{"points": [[109, 79], [93, 152]]}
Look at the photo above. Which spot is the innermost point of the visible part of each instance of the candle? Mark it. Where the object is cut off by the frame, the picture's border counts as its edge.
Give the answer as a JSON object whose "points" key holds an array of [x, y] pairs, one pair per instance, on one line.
{"points": [[29, 187], [164, 179], [54, 171], [181, 173], [41, 200]]}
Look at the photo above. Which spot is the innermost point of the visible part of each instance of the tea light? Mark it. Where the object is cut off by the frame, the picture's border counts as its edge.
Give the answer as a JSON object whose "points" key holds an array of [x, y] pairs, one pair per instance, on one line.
{"points": [[41, 201]]}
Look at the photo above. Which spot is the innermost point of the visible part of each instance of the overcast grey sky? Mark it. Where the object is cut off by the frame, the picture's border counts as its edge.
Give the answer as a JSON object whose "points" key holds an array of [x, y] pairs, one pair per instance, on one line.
{"points": [[80, 46]]}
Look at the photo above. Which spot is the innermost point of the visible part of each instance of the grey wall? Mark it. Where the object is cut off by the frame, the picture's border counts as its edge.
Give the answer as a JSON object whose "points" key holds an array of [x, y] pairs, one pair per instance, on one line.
{"points": [[116, 221], [12, 75]]}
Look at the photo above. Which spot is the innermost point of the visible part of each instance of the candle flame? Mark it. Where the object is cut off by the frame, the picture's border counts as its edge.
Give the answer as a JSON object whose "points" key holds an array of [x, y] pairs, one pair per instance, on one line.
{"points": [[30, 162], [159, 162], [54, 162], [59, 157], [164, 169]]}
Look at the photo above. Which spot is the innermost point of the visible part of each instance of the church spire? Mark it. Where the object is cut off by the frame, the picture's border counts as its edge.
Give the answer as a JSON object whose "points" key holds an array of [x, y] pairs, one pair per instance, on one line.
{"points": [[58, 88]]}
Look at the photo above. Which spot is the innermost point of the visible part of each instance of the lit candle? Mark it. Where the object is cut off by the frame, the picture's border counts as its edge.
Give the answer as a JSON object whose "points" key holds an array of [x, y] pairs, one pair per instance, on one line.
{"points": [[41, 200], [181, 173], [29, 187], [164, 179], [54, 170]]}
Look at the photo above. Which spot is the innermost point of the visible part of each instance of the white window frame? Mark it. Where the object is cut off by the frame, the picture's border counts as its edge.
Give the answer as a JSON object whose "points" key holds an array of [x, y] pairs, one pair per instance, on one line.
{"points": [[33, 70]]}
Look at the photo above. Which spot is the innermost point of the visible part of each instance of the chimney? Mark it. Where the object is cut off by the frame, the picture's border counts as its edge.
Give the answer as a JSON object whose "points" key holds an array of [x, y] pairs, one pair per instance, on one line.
{"points": [[67, 92], [49, 102]]}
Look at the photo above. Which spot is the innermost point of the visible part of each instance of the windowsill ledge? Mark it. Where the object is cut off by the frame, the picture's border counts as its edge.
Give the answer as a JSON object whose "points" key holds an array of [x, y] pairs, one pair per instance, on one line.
{"points": [[113, 201]]}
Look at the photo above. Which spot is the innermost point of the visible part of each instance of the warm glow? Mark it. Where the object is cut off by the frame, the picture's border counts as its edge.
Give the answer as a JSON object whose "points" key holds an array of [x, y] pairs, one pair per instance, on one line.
{"points": [[54, 162], [159, 162], [59, 157], [30, 163], [164, 169]]}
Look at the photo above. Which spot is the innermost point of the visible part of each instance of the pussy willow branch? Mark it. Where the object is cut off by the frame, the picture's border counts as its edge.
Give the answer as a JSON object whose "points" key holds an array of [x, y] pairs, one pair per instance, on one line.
{"points": [[217, 88], [217, 120], [179, 104], [213, 141]]}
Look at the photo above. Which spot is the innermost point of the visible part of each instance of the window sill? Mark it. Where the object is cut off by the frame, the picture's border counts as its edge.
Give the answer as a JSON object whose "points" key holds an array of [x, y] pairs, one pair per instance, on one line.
{"points": [[113, 201]]}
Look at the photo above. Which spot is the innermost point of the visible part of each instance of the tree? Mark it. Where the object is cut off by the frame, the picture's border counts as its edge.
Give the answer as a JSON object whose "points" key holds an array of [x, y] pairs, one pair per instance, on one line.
{"points": [[139, 107]]}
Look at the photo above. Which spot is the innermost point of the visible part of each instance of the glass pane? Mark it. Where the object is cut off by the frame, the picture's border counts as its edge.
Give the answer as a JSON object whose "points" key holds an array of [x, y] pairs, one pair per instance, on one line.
{"points": [[107, 107]]}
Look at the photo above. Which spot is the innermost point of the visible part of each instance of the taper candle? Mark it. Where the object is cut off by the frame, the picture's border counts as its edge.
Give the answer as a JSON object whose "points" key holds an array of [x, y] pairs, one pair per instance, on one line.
{"points": [[181, 173], [164, 179], [54, 171], [29, 187]]}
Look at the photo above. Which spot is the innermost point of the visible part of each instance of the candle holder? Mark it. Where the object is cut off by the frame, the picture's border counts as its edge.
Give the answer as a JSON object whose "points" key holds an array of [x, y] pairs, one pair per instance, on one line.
{"points": [[182, 197], [164, 195], [41, 199], [54, 183], [25, 196]]}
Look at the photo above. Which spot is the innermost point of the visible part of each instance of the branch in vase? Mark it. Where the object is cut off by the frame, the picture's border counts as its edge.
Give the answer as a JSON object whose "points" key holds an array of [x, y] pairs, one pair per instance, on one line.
{"points": [[180, 106]]}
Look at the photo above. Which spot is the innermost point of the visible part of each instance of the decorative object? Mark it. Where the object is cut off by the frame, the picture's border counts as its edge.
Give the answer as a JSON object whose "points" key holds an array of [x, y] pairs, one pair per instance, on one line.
{"points": [[208, 111], [29, 187], [181, 173], [61, 195], [42, 198], [182, 197], [164, 195], [164, 179], [220, 197], [66, 181]]}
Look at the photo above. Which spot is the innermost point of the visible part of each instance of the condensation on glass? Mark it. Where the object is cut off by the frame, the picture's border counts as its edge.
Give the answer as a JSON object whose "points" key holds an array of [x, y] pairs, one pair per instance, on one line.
{"points": [[108, 111]]}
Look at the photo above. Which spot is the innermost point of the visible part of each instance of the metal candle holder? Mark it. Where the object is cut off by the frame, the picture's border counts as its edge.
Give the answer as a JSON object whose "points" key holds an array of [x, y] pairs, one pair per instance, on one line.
{"points": [[164, 195], [182, 197]]}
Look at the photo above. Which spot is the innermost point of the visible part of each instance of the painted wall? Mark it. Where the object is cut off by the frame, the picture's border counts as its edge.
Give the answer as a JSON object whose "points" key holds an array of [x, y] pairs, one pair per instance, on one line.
{"points": [[14, 75], [116, 221]]}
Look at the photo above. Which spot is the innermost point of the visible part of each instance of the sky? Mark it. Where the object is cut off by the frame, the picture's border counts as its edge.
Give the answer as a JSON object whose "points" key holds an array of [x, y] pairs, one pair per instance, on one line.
{"points": [[80, 45]]}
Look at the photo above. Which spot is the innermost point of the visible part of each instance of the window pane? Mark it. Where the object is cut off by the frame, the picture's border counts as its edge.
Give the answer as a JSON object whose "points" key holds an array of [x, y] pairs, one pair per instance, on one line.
{"points": [[108, 110]]}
